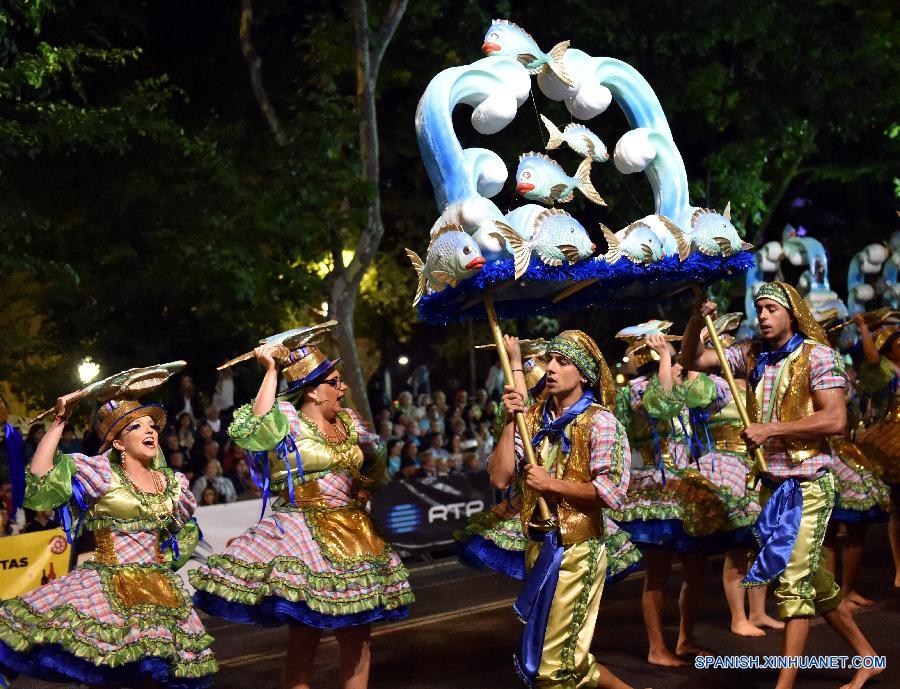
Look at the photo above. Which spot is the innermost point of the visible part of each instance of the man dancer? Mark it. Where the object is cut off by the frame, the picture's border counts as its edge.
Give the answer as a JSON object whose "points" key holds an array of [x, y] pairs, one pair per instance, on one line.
{"points": [[795, 401], [584, 467]]}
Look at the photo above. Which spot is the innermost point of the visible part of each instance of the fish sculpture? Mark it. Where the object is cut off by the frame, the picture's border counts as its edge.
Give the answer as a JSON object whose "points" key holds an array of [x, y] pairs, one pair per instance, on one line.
{"points": [[639, 243], [635, 333], [452, 256], [577, 137], [714, 235], [287, 341], [556, 237], [504, 38], [540, 178]]}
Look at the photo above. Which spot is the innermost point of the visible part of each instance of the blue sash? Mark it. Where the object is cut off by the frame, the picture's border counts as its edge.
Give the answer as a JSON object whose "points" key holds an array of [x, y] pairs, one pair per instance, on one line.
{"points": [[776, 531]]}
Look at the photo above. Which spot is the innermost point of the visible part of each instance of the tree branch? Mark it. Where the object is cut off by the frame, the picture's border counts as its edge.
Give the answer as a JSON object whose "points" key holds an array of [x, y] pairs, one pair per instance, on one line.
{"points": [[389, 25], [776, 199], [253, 64]]}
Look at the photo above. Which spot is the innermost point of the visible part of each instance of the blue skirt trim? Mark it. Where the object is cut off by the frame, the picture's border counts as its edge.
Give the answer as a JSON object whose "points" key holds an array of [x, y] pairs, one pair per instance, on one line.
{"points": [[670, 532], [479, 553], [618, 576], [873, 515], [274, 611], [51, 663]]}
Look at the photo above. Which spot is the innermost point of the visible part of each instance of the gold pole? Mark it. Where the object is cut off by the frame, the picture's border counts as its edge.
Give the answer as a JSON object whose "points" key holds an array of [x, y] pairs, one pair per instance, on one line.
{"points": [[759, 465], [520, 417]]}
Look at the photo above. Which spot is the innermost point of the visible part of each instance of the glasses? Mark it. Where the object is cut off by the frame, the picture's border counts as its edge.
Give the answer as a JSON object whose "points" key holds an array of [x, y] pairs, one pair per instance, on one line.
{"points": [[336, 383]]}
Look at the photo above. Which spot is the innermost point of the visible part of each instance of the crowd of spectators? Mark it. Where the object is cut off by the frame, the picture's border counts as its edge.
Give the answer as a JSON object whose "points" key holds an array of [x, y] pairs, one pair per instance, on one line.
{"points": [[431, 435]]}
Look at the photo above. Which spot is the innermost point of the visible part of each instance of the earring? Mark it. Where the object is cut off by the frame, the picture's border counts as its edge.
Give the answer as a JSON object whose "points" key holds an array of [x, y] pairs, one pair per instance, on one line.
{"points": [[318, 402], [122, 455]]}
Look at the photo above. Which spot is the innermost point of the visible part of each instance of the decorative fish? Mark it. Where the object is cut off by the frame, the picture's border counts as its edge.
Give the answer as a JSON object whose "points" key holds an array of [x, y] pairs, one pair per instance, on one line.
{"points": [[636, 333], [674, 240], [540, 178], [452, 256], [507, 39], [640, 244], [577, 137], [557, 237], [288, 340], [714, 235]]}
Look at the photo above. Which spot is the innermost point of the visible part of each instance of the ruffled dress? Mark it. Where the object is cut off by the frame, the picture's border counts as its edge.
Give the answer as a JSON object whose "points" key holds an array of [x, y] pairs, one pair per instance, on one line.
{"points": [[860, 495], [670, 503], [880, 442], [493, 539], [318, 558], [124, 616]]}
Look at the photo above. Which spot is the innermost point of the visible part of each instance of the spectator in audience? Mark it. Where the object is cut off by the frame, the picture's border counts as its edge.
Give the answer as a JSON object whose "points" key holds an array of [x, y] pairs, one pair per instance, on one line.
{"points": [[481, 399], [440, 402], [394, 448], [405, 404], [427, 466], [233, 454], [186, 400], [209, 497], [35, 433], [420, 380], [223, 395], [485, 438], [458, 426], [92, 441], [435, 419], [436, 446], [211, 417], [177, 462], [495, 381], [399, 430], [185, 431], [170, 444], [471, 463], [5, 526], [69, 443], [241, 479], [198, 451], [42, 520], [455, 448], [412, 434], [410, 451], [212, 478], [407, 469], [461, 399], [443, 468]]}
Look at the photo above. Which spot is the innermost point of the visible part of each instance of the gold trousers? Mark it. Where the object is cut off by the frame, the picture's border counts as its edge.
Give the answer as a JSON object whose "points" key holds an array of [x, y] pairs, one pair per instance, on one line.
{"points": [[805, 587], [566, 661]]}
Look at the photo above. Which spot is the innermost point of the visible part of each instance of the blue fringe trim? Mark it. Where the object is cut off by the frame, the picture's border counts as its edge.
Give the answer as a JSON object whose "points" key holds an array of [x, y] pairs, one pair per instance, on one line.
{"points": [[873, 515], [478, 553], [670, 533], [618, 576], [274, 611], [620, 285], [51, 663]]}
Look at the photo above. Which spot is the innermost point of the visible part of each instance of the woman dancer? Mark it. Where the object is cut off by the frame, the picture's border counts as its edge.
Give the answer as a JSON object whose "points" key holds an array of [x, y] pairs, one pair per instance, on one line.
{"points": [[123, 618], [318, 561]]}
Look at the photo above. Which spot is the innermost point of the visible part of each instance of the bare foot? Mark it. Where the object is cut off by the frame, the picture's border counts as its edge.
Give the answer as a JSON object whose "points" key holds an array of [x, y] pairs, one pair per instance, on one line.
{"points": [[665, 658], [687, 648], [852, 606], [766, 621], [861, 677], [854, 597], [744, 628]]}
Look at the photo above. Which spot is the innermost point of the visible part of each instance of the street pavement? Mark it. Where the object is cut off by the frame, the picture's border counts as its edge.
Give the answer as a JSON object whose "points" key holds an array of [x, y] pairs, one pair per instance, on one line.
{"points": [[462, 634]]}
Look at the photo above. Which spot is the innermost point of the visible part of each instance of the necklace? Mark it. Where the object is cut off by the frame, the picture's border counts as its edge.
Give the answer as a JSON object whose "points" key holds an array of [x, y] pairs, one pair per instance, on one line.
{"points": [[154, 502], [337, 434]]}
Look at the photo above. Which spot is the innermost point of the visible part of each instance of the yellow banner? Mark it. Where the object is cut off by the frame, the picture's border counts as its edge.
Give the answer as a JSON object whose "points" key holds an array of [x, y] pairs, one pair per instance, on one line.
{"points": [[30, 560]]}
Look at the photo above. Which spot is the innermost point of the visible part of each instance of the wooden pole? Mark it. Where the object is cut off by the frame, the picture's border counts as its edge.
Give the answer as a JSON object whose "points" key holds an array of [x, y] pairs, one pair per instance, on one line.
{"points": [[543, 510], [759, 464]]}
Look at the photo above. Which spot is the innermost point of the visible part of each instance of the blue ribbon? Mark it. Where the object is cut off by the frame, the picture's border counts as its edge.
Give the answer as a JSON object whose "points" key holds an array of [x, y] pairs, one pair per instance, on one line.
{"points": [[700, 421], [15, 452], [772, 357], [533, 606], [259, 474], [284, 449], [172, 544], [776, 531], [557, 428], [64, 512]]}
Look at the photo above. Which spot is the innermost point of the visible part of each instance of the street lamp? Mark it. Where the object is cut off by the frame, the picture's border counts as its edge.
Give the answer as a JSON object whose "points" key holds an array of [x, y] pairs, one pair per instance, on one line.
{"points": [[403, 360], [88, 370]]}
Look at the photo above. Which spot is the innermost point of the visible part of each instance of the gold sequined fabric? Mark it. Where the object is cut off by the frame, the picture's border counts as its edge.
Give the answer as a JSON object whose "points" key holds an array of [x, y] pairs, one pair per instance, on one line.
{"points": [[346, 534], [135, 586]]}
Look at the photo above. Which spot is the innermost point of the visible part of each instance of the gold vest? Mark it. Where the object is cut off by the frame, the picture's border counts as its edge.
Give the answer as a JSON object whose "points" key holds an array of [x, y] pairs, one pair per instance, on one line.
{"points": [[792, 399], [575, 525]]}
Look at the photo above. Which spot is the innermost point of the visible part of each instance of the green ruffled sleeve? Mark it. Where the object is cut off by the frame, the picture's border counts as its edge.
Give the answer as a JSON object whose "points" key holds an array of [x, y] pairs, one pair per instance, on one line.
{"points": [[259, 433], [875, 377], [661, 403], [374, 468], [54, 488], [623, 405], [188, 537], [700, 392]]}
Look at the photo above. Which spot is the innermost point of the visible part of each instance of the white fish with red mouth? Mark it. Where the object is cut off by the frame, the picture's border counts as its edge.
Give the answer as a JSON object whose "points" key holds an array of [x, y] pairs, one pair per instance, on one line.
{"points": [[647, 240], [452, 256], [540, 178], [503, 38]]}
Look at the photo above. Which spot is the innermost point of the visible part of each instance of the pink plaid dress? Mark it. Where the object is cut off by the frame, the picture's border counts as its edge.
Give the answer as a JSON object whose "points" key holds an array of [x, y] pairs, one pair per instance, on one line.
{"points": [[317, 559], [123, 615]]}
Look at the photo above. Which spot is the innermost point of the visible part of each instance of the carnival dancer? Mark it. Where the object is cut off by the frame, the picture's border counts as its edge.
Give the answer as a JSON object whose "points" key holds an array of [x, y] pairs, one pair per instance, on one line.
{"points": [[584, 468], [796, 401], [670, 507], [862, 498], [318, 562], [722, 458], [879, 377], [494, 538], [123, 618]]}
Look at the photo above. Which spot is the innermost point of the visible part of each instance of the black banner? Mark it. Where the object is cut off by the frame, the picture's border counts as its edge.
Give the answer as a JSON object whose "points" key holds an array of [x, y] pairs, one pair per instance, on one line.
{"points": [[420, 514]]}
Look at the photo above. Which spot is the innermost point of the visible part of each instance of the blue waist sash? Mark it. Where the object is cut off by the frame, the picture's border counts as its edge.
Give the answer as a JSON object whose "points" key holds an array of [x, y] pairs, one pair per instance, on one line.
{"points": [[776, 532]]}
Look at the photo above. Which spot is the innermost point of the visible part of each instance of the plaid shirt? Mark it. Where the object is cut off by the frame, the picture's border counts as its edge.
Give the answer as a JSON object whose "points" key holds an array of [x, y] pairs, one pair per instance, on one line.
{"points": [[610, 462], [825, 372]]}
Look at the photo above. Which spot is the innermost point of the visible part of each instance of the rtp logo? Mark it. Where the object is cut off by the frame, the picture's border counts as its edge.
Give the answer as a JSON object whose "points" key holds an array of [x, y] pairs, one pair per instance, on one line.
{"points": [[404, 518]]}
